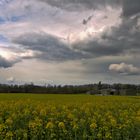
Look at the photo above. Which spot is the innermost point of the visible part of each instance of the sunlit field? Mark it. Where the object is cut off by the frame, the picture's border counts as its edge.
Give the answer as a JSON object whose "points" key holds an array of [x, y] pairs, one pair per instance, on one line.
{"points": [[69, 117]]}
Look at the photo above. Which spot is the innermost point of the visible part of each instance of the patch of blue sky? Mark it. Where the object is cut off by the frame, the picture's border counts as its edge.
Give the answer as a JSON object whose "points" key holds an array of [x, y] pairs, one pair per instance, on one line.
{"points": [[3, 39], [12, 19], [2, 20], [4, 2], [16, 18]]}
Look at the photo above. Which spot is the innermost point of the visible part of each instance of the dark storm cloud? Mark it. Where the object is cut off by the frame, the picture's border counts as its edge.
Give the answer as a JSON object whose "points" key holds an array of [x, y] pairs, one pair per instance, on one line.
{"points": [[96, 49], [114, 41], [4, 63], [119, 40], [49, 46], [81, 4], [129, 7]]}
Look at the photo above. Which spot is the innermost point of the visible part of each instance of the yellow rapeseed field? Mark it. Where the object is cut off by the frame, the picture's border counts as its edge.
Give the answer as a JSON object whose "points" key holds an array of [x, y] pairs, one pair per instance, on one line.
{"points": [[69, 117]]}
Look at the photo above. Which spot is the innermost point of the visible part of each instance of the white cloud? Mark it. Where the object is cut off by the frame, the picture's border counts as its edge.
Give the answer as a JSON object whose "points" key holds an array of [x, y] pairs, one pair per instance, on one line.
{"points": [[123, 68], [11, 80]]}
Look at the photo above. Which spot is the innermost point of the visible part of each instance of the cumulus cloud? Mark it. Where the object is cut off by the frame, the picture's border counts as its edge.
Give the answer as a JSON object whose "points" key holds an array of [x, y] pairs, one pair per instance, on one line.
{"points": [[123, 68]]}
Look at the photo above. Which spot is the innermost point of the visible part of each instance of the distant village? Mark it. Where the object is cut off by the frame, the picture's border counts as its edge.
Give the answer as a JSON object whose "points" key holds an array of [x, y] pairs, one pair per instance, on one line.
{"points": [[111, 91], [99, 89], [115, 89]]}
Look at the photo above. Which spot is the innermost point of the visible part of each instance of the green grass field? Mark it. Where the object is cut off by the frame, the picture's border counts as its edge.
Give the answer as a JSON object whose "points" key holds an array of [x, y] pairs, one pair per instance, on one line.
{"points": [[69, 117]]}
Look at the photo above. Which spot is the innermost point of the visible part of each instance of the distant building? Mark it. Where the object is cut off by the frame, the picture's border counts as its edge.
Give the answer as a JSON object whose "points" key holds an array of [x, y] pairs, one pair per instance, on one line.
{"points": [[93, 92], [108, 91], [103, 92]]}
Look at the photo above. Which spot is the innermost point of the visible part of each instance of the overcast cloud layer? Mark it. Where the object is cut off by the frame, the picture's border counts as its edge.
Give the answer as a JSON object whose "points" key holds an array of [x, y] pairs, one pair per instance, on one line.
{"points": [[70, 41]]}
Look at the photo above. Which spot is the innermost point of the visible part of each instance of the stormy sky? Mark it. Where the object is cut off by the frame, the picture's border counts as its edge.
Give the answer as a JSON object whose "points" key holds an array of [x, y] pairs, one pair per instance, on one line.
{"points": [[69, 41]]}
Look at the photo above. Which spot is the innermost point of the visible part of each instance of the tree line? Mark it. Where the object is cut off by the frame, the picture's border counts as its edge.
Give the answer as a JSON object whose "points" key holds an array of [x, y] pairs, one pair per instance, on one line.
{"points": [[130, 89]]}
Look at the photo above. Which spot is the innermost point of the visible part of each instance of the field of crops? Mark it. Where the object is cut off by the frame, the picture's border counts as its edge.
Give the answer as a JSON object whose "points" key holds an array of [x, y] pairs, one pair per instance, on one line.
{"points": [[69, 117]]}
